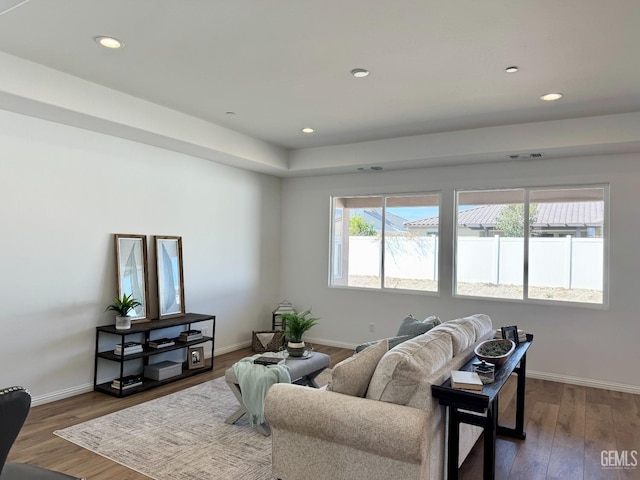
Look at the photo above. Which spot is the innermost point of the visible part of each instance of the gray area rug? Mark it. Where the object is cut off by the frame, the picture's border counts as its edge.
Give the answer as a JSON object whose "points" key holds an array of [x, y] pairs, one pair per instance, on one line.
{"points": [[181, 436]]}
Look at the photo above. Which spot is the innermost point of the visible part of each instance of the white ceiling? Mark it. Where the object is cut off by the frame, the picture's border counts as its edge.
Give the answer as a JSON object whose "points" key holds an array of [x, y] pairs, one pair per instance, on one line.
{"points": [[280, 65]]}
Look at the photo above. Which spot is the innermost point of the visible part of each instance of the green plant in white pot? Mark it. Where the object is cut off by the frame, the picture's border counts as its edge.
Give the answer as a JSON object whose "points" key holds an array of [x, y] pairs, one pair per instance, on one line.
{"points": [[296, 325], [122, 306]]}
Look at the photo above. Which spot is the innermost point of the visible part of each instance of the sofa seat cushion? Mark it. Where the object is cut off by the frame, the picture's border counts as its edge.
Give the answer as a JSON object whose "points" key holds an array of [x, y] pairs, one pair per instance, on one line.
{"points": [[397, 375], [352, 376]]}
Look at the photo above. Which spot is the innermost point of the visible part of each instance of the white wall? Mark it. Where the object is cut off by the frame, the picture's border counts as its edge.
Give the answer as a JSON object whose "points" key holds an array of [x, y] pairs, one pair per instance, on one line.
{"points": [[65, 191], [576, 344]]}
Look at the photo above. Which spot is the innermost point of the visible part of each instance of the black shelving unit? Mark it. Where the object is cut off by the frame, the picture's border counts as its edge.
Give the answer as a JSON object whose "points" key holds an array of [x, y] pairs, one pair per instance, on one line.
{"points": [[146, 328]]}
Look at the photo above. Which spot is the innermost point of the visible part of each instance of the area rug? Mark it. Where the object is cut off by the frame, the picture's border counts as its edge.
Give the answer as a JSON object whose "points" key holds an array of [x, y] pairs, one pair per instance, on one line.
{"points": [[181, 436]]}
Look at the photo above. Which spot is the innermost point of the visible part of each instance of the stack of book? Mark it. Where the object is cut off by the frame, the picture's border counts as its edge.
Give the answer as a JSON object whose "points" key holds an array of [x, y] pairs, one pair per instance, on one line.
{"points": [[269, 361], [161, 343], [463, 380], [190, 335], [128, 348], [129, 381]]}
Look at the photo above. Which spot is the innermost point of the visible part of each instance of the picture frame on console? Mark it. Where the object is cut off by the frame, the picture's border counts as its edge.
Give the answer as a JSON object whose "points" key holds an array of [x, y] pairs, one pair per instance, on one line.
{"points": [[170, 276], [132, 272], [195, 358], [511, 333]]}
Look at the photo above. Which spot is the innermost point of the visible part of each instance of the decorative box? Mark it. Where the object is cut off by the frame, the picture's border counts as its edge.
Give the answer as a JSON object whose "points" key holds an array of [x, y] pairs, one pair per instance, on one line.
{"points": [[486, 371], [162, 370], [267, 341]]}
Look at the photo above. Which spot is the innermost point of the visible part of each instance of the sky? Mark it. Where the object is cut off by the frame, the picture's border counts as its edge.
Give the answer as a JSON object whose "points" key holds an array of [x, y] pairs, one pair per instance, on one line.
{"points": [[414, 213]]}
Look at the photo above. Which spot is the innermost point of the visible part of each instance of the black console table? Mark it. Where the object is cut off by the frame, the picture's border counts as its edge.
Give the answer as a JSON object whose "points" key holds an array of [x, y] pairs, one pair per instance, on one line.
{"points": [[144, 329], [461, 402]]}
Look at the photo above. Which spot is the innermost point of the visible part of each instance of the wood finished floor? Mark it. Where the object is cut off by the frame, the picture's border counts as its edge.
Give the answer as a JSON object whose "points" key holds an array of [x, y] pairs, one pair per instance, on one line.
{"points": [[567, 427]]}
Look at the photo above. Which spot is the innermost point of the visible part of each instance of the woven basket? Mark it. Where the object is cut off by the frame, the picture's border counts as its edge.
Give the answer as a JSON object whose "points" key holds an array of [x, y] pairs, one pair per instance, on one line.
{"points": [[276, 343]]}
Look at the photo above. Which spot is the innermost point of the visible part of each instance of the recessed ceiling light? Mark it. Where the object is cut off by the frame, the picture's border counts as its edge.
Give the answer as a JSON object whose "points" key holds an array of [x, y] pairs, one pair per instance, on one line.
{"points": [[511, 69], [307, 130], [360, 72], [229, 113], [109, 42], [550, 97]]}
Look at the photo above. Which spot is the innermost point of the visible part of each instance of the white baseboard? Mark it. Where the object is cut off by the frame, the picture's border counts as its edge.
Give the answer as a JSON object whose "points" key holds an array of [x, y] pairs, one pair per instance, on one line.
{"points": [[331, 343], [231, 348], [73, 391], [584, 382], [552, 377], [60, 394]]}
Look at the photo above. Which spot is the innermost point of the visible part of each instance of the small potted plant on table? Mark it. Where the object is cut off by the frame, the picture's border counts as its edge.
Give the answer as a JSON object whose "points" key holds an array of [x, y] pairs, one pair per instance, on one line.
{"points": [[296, 325], [122, 306]]}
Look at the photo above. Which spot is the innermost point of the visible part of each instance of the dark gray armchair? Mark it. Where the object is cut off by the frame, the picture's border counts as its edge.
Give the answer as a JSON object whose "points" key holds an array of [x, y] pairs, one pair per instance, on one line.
{"points": [[15, 403]]}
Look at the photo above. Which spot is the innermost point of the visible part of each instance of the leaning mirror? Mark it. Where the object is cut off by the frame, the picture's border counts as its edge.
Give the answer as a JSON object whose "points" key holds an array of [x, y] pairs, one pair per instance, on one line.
{"points": [[170, 277], [131, 256]]}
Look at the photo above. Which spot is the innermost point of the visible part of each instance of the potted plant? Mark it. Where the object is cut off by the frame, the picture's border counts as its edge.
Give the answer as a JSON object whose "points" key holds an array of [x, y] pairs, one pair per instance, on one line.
{"points": [[122, 306], [296, 325]]}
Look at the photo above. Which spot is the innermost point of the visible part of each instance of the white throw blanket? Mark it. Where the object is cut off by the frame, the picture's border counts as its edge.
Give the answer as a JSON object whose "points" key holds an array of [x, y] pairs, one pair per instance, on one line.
{"points": [[255, 381]]}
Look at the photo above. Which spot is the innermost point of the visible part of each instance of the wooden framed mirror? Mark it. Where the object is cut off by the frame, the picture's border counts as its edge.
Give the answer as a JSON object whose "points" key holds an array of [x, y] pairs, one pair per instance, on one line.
{"points": [[132, 271], [170, 276]]}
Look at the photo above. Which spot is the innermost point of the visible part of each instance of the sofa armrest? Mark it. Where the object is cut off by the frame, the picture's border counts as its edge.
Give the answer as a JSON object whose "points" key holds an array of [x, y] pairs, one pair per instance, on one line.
{"points": [[385, 429]]}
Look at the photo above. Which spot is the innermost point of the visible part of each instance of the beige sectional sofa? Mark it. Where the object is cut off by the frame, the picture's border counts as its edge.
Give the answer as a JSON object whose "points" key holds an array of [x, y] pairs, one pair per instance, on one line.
{"points": [[385, 424]]}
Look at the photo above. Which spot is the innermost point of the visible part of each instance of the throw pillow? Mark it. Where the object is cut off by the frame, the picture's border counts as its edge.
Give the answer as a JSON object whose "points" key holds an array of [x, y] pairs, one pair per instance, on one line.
{"points": [[352, 376], [412, 326]]}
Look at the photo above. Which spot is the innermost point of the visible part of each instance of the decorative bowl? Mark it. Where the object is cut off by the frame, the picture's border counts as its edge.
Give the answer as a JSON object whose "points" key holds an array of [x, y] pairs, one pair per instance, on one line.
{"points": [[495, 351]]}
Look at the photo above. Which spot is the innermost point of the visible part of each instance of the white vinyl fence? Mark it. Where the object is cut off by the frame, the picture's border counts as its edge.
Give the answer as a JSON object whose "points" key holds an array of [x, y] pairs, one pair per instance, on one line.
{"points": [[553, 262], [406, 257]]}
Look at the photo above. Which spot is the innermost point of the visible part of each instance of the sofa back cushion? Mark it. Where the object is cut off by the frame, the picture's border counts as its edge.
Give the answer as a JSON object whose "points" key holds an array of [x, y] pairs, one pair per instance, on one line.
{"points": [[481, 323], [462, 334], [409, 328], [397, 375], [352, 376], [392, 341]]}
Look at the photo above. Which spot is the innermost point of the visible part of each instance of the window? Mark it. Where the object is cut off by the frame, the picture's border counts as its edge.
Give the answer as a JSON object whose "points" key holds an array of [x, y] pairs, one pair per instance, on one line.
{"points": [[385, 241], [532, 243]]}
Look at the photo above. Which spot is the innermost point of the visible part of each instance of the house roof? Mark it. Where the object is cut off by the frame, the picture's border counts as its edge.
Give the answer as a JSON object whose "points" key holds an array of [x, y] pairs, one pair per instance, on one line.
{"points": [[549, 215], [392, 222]]}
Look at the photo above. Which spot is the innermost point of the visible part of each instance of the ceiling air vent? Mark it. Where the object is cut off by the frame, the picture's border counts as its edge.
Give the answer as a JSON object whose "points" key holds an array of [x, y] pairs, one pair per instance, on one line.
{"points": [[516, 156]]}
